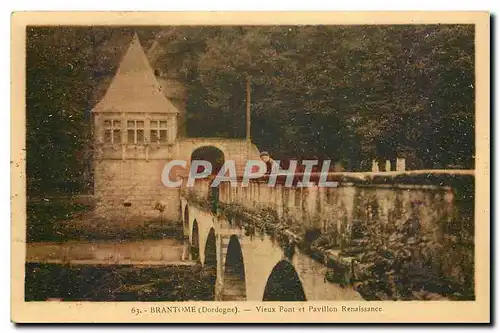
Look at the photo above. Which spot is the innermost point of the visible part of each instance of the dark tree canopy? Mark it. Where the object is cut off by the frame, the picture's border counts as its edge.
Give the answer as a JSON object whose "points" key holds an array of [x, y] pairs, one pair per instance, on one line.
{"points": [[68, 70], [347, 93]]}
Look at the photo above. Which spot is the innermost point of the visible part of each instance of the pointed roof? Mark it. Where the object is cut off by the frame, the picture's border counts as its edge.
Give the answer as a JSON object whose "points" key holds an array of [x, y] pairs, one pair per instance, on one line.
{"points": [[134, 87]]}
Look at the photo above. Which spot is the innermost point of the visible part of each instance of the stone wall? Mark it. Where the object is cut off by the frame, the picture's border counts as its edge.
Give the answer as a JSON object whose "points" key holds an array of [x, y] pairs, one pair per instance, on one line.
{"points": [[428, 219], [233, 149], [131, 189]]}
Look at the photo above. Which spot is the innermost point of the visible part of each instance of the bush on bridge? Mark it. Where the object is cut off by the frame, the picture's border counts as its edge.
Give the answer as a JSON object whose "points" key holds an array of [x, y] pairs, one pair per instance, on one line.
{"points": [[401, 263]]}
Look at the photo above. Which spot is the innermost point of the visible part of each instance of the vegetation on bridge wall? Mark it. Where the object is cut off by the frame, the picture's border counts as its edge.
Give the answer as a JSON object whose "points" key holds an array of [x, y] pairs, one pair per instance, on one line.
{"points": [[403, 258], [407, 244], [391, 243]]}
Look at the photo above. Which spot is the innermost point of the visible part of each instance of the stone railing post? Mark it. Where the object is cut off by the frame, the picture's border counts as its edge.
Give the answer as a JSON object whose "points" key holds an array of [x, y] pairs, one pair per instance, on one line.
{"points": [[400, 164], [387, 165]]}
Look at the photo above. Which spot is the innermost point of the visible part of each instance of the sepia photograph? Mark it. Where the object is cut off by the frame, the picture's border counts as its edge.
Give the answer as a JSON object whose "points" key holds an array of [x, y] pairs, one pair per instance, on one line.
{"points": [[267, 164]]}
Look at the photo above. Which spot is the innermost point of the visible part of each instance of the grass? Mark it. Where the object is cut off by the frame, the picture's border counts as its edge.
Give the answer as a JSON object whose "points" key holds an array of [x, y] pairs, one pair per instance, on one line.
{"points": [[61, 220]]}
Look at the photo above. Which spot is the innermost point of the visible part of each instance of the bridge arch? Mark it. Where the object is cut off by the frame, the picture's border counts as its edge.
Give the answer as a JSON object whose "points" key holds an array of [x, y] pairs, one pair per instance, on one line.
{"points": [[234, 281], [233, 149], [186, 221], [195, 241], [284, 284], [211, 249], [210, 260], [210, 153]]}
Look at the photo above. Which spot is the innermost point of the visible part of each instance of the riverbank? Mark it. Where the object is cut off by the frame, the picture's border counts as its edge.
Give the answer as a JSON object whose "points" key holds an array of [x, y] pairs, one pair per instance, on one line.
{"points": [[63, 219]]}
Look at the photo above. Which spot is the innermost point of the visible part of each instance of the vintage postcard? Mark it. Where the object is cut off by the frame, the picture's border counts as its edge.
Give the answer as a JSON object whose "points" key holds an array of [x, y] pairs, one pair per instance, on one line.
{"points": [[321, 167]]}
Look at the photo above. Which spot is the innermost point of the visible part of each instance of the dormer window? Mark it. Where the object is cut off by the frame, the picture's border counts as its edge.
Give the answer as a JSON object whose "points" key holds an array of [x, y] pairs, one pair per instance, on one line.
{"points": [[135, 132], [158, 132], [112, 131]]}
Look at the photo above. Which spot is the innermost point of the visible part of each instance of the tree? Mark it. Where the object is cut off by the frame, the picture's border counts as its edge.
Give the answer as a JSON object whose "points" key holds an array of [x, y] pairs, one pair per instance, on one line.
{"points": [[68, 70], [380, 91], [346, 93]]}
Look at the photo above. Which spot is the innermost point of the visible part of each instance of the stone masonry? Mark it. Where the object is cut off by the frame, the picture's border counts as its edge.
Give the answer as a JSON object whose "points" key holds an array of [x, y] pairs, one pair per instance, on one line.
{"points": [[137, 129]]}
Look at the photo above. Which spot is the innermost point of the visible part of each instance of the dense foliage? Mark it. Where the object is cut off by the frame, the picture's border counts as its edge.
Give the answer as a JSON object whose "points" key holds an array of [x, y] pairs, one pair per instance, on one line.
{"points": [[348, 93], [343, 92], [67, 72]]}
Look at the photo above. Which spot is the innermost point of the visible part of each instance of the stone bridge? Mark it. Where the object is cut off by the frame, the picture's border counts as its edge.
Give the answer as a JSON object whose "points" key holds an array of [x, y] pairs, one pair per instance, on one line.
{"points": [[279, 243], [254, 267]]}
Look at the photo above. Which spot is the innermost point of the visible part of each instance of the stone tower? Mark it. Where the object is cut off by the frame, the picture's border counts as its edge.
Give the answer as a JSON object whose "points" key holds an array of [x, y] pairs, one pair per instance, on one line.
{"points": [[135, 133]]}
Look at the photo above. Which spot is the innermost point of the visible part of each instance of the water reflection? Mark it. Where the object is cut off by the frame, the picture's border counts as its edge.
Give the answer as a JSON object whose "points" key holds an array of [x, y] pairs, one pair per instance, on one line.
{"points": [[153, 251]]}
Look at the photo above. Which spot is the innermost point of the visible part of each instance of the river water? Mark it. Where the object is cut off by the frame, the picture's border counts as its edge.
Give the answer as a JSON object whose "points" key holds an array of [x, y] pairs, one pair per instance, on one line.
{"points": [[147, 270]]}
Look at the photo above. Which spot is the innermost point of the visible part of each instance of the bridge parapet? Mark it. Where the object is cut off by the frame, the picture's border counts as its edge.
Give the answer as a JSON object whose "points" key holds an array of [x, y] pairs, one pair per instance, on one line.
{"points": [[423, 220]]}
